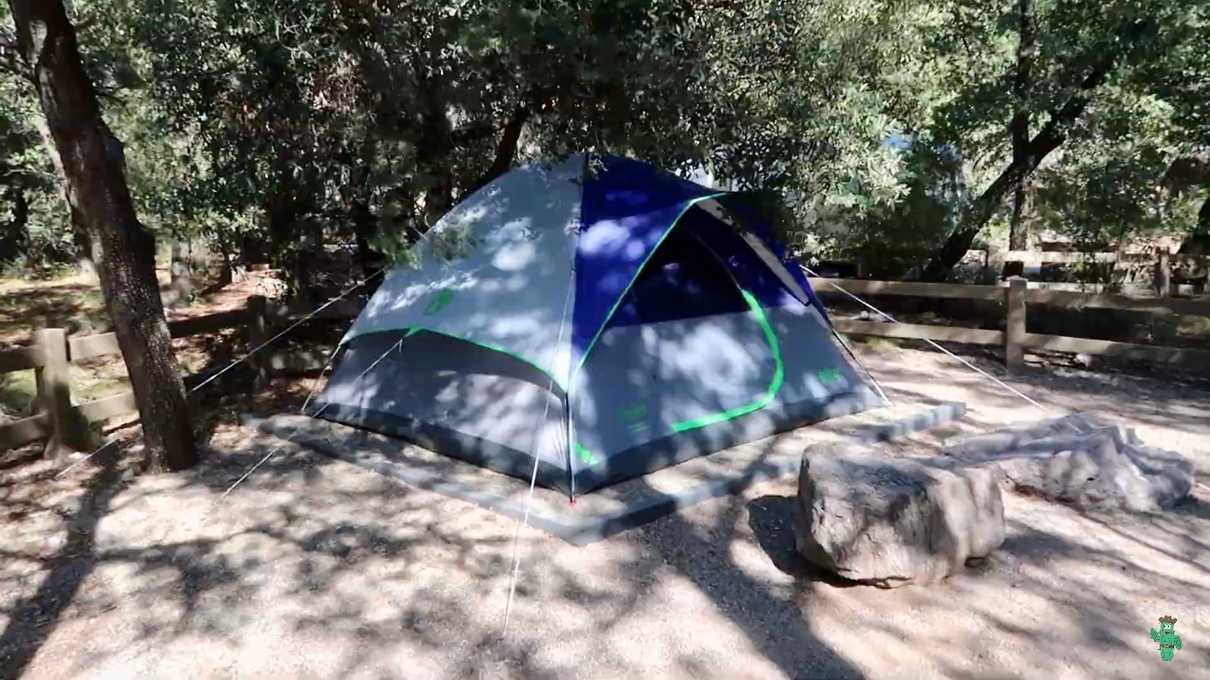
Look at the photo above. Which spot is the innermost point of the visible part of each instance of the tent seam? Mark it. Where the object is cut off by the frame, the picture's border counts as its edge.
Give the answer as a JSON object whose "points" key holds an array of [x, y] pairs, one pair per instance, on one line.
{"points": [[488, 346]]}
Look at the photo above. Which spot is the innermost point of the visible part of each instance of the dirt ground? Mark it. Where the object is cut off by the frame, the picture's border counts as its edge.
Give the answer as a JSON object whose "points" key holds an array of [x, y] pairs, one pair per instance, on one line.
{"points": [[314, 568]]}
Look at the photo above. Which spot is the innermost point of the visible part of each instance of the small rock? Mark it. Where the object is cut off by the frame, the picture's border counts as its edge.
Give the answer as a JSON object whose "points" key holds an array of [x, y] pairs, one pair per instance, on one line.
{"points": [[889, 521]]}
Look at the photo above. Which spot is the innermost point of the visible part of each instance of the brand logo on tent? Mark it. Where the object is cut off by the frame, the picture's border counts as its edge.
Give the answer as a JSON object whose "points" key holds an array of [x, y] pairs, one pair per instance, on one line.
{"points": [[633, 416], [585, 455], [828, 376], [439, 301]]}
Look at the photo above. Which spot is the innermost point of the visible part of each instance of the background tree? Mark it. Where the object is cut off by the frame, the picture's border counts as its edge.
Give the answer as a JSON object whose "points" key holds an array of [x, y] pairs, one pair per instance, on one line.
{"points": [[1083, 51], [278, 130], [1019, 125]]}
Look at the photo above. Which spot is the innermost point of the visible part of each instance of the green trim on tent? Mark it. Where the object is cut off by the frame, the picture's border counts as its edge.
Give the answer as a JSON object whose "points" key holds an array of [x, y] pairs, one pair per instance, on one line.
{"points": [[585, 455], [580, 450], [492, 347], [618, 303], [779, 375]]}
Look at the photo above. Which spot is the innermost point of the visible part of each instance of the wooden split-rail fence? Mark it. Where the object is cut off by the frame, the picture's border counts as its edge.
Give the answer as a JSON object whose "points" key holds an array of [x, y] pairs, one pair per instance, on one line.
{"points": [[61, 420]]}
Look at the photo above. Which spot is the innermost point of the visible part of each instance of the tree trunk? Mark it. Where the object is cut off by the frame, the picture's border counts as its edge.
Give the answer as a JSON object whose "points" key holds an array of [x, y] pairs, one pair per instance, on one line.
{"points": [[285, 242], [14, 236], [365, 228], [506, 150], [1052, 134], [224, 274], [365, 223], [1018, 127], [180, 288], [252, 250], [1198, 242], [122, 248], [433, 156]]}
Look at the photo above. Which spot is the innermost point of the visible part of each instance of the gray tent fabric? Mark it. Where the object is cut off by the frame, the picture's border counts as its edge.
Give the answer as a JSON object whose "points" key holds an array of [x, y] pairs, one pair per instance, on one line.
{"points": [[467, 351], [495, 270], [453, 397], [642, 380]]}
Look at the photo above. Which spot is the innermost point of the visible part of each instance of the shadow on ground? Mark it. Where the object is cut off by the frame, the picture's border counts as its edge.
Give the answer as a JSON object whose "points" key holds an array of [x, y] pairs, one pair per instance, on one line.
{"points": [[313, 567]]}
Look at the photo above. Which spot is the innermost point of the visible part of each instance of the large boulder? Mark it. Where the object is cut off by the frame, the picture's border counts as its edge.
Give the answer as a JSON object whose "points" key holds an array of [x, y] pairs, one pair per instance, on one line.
{"points": [[1080, 460], [893, 521]]}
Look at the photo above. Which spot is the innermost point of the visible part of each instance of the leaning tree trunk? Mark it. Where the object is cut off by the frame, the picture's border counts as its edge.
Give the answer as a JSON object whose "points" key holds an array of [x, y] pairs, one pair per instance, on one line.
{"points": [[122, 248], [1048, 138]]}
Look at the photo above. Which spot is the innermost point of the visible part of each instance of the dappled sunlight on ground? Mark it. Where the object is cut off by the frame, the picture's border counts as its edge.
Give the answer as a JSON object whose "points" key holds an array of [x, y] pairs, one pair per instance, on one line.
{"points": [[316, 568]]}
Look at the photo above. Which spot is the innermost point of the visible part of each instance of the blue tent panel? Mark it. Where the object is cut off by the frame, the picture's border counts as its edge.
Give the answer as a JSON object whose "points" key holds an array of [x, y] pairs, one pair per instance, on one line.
{"points": [[627, 208], [744, 265], [754, 223]]}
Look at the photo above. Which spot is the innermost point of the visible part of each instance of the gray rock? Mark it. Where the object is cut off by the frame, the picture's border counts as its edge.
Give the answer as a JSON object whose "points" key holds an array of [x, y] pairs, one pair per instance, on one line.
{"points": [[893, 521], [1081, 460]]}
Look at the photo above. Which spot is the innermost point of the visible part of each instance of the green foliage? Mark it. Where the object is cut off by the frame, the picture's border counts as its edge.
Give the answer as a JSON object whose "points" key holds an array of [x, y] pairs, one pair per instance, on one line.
{"points": [[377, 116], [27, 185], [812, 90], [1107, 187], [273, 127], [892, 238]]}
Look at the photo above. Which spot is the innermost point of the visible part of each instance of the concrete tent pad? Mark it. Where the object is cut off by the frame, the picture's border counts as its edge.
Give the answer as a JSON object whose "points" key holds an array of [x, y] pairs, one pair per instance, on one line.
{"points": [[607, 511]]}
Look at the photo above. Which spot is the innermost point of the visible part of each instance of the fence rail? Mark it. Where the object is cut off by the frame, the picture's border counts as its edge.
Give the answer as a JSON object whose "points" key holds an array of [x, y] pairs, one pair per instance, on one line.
{"points": [[1016, 295], [1031, 257], [20, 359], [66, 424], [1170, 272], [912, 331]]}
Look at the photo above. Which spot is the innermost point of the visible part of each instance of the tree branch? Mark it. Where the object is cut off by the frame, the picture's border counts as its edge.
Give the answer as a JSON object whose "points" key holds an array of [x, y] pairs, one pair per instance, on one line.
{"points": [[1049, 138], [471, 134], [506, 149]]}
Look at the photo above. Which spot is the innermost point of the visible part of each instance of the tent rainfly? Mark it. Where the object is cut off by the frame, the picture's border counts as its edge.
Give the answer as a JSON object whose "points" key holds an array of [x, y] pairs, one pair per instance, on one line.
{"points": [[594, 320]]}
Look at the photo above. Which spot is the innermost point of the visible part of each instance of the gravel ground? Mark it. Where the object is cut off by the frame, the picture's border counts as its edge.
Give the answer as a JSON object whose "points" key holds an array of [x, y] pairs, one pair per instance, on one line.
{"points": [[314, 568]]}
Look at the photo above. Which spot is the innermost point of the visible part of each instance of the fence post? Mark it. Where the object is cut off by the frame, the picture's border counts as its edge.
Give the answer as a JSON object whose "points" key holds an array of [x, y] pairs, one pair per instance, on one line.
{"points": [[257, 333], [1014, 326], [1163, 274], [53, 384]]}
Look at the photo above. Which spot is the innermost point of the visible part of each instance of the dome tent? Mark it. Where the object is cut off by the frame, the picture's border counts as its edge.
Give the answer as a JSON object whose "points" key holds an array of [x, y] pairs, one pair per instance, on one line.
{"points": [[597, 318]]}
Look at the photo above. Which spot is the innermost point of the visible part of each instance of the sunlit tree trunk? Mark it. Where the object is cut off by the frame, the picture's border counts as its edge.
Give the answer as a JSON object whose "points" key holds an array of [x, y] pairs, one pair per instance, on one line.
{"points": [[122, 248], [1018, 234]]}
